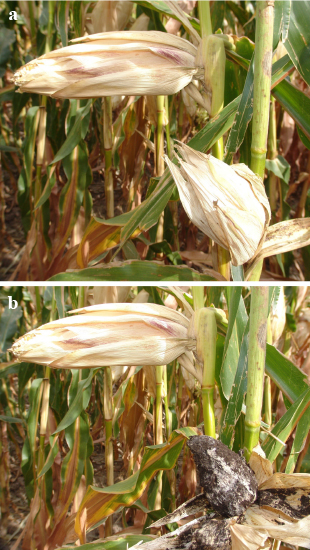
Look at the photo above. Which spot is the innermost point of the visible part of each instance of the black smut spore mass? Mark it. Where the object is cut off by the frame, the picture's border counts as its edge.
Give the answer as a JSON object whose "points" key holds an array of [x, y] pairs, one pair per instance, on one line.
{"points": [[280, 500], [228, 482], [212, 534]]}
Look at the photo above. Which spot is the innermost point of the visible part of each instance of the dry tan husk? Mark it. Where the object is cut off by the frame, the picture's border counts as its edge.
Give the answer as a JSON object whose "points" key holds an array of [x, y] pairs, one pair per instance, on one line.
{"points": [[268, 522], [282, 237], [113, 63], [261, 467], [227, 203], [110, 335]]}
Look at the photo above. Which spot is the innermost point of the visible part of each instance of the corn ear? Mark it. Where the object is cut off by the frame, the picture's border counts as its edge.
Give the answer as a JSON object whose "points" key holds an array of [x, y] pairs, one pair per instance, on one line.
{"points": [[109, 335]]}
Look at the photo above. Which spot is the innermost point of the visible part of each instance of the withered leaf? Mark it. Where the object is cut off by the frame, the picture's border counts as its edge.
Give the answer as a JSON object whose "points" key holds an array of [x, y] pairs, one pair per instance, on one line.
{"points": [[196, 504]]}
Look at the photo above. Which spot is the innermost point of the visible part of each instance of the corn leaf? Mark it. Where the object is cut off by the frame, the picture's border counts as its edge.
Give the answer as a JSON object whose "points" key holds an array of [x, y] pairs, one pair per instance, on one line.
{"points": [[299, 442], [100, 236], [243, 116], [238, 391], [286, 425], [282, 15], [79, 402], [236, 326], [8, 326], [117, 542], [79, 178], [76, 133], [296, 103], [290, 379], [134, 270], [101, 503], [297, 43]]}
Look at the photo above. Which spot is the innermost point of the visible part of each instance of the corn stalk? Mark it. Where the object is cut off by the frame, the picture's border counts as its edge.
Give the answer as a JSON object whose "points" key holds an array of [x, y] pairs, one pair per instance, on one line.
{"points": [[206, 331], [261, 98], [256, 366]]}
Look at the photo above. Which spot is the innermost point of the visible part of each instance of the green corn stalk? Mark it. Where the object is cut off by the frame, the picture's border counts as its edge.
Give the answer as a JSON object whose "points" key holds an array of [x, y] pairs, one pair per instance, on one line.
{"points": [[206, 330], [206, 350], [262, 84], [256, 366], [261, 98]]}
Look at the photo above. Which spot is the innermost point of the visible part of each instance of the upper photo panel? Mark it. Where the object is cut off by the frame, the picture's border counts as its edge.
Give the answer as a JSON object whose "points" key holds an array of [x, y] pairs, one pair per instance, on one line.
{"points": [[147, 141]]}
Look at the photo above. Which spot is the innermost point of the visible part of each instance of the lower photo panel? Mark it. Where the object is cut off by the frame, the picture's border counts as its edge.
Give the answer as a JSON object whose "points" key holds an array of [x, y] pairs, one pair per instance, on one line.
{"points": [[154, 417]]}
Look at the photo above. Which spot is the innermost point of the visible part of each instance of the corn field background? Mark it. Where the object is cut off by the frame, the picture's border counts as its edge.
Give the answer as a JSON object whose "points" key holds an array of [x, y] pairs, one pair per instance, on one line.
{"points": [[82, 458], [57, 221], [142, 143]]}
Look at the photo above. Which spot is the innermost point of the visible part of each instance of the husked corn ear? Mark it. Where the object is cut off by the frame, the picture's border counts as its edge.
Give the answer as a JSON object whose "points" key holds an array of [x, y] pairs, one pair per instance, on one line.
{"points": [[227, 203], [113, 63], [109, 335]]}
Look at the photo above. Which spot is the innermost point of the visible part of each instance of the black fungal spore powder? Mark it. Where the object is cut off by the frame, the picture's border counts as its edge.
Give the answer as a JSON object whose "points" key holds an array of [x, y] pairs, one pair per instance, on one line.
{"points": [[228, 482]]}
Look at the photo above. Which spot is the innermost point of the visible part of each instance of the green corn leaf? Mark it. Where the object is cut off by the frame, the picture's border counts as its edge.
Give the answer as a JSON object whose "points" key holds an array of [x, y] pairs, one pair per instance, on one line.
{"points": [[280, 167], [134, 270], [75, 134], [286, 425], [11, 419], [63, 9], [51, 455], [35, 395], [72, 468], [79, 402], [165, 9], [282, 14], [238, 391], [117, 542], [237, 322], [296, 103], [297, 42], [242, 118], [8, 327], [299, 442], [306, 143], [290, 380], [48, 186]]}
